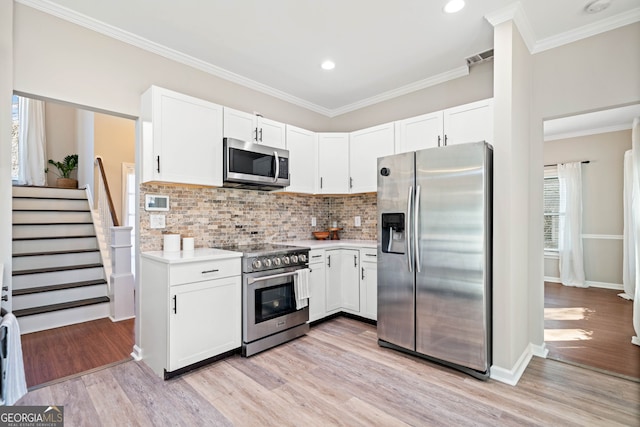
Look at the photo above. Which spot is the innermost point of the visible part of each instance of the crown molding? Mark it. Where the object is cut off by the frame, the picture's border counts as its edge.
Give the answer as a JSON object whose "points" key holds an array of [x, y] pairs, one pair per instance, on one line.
{"points": [[608, 24], [514, 12], [412, 87]]}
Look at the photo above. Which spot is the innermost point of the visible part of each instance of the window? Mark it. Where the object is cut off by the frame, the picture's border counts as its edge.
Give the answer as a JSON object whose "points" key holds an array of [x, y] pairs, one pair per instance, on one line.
{"points": [[551, 209], [15, 145]]}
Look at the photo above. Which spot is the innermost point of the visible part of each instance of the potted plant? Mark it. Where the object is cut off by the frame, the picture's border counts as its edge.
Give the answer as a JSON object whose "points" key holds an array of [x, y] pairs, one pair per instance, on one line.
{"points": [[68, 165]]}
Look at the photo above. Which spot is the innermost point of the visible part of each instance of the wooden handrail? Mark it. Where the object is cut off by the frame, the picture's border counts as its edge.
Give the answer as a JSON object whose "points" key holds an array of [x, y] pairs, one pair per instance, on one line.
{"points": [[112, 209]]}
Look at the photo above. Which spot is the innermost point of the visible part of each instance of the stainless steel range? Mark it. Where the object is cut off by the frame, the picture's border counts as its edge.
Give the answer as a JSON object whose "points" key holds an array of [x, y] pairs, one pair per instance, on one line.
{"points": [[269, 313]]}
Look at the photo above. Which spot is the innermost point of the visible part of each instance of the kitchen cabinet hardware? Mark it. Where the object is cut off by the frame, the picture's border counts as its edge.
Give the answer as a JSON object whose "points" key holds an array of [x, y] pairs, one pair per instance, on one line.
{"points": [[320, 182], [329, 261], [355, 261], [350, 182], [158, 160], [210, 271], [175, 304], [260, 134], [316, 256], [362, 273], [255, 134], [445, 140], [373, 255], [439, 138]]}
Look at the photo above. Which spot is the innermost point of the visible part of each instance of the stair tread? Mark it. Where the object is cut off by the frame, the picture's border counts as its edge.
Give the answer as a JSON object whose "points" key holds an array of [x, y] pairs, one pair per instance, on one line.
{"points": [[54, 269], [53, 223], [62, 306], [60, 287], [51, 210], [72, 251], [84, 236]]}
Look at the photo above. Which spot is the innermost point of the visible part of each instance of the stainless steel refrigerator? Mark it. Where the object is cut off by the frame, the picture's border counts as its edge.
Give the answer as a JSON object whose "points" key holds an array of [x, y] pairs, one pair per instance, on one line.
{"points": [[434, 255]]}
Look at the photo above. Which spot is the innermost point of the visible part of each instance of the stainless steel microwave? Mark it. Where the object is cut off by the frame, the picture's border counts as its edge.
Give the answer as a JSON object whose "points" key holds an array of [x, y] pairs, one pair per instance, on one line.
{"points": [[254, 166]]}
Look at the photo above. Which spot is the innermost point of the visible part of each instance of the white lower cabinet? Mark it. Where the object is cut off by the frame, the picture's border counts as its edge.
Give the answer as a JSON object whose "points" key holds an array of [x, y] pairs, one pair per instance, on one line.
{"points": [[317, 294], [190, 308], [369, 284], [342, 280]]}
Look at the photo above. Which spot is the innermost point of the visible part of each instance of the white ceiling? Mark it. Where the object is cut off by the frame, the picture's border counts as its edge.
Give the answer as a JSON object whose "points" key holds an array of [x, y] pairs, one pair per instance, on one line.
{"points": [[382, 48]]}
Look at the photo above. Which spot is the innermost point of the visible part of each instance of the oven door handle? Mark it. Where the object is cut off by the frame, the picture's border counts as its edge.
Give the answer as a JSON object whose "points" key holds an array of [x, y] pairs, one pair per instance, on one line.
{"points": [[273, 276]]}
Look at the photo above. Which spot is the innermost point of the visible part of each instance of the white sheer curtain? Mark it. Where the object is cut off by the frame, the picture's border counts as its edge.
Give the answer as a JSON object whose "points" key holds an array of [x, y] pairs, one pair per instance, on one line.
{"points": [[32, 142], [629, 240], [570, 227], [635, 147]]}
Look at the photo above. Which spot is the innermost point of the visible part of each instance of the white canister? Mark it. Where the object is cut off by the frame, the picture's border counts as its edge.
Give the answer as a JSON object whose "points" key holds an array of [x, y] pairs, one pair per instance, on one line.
{"points": [[171, 243], [188, 244]]}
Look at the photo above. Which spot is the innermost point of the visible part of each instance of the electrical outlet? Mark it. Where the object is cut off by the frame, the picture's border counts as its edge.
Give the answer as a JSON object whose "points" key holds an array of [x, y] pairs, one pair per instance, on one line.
{"points": [[157, 221], [313, 221], [358, 222]]}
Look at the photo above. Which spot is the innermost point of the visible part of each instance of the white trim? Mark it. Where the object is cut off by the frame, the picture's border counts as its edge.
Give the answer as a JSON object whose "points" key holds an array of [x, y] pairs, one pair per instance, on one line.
{"points": [[512, 376], [552, 279], [136, 353], [608, 24], [550, 254], [514, 12], [589, 283], [540, 350], [588, 132], [603, 236]]}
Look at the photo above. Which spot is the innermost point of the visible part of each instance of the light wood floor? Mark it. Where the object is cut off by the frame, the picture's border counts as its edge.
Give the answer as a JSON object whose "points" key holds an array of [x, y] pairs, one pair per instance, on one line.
{"points": [[338, 375], [57, 353], [591, 327]]}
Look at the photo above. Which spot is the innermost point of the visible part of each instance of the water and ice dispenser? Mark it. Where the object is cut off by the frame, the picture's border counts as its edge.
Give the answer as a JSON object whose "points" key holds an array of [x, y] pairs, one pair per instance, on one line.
{"points": [[393, 233]]}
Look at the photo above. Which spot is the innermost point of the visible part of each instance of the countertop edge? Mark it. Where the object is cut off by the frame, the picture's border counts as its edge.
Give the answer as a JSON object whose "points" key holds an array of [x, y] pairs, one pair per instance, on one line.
{"points": [[200, 254], [329, 244]]}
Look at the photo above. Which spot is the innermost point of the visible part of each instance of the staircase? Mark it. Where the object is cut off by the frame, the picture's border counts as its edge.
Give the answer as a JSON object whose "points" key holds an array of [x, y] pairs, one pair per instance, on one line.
{"points": [[58, 275]]}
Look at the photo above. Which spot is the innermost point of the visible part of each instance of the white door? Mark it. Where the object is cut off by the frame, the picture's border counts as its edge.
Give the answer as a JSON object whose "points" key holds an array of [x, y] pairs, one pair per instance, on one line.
{"points": [[333, 163], [333, 280], [302, 146], [365, 146], [418, 133], [271, 133], [239, 125], [350, 277], [317, 292], [469, 123], [369, 290]]}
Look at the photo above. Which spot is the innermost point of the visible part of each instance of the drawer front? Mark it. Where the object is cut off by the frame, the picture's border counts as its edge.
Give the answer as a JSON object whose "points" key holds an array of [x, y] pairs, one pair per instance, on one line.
{"points": [[203, 270], [369, 255], [316, 256]]}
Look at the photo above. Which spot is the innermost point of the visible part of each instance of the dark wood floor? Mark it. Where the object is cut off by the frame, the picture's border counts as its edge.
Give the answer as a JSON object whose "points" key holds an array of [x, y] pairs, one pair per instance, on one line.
{"points": [[591, 327], [338, 375], [57, 353]]}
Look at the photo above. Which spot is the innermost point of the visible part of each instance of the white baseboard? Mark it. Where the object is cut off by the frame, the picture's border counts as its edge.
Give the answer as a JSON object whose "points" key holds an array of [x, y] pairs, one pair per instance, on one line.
{"points": [[512, 376], [539, 350], [136, 353], [590, 283]]}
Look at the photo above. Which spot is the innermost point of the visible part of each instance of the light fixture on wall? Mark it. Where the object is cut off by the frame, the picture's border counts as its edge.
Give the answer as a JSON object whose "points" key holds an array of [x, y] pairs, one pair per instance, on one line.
{"points": [[596, 6], [453, 6], [328, 65]]}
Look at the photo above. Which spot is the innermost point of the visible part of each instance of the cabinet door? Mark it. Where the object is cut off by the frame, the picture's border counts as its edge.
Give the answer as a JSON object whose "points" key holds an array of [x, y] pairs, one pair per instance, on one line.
{"points": [[271, 133], [469, 123], [204, 320], [239, 125], [350, 277], [369, 290], [418, 133], [302, 146], [333, 279], [365, 146], [317, 294], [186, 140], [333, 163]]}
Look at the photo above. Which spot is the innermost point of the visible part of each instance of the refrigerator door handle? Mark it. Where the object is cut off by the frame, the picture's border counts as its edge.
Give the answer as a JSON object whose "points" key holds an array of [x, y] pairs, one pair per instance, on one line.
{"points": [[416, 229], [408, 228]]}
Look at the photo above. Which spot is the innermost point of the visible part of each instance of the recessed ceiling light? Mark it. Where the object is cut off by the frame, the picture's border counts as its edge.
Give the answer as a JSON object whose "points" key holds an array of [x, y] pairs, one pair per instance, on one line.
{"points": [[454, 6], [597, 6], [328, 65]]}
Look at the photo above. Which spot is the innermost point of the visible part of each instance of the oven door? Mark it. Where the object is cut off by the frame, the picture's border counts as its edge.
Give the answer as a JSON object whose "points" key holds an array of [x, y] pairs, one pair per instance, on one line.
{"points": [[269, 304], [255, 164]]}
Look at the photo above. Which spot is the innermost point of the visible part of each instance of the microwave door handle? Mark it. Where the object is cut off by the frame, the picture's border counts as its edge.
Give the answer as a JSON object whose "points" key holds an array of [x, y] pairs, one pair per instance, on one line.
{"points": [[275, 179]]}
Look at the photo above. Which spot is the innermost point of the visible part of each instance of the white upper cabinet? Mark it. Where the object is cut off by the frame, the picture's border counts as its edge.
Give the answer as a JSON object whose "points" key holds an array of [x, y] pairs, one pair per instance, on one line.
{"points": [[181, 138], [333, 163], [469, 123], [365, 146], [417, 133], [250, 127], [303, 166]]}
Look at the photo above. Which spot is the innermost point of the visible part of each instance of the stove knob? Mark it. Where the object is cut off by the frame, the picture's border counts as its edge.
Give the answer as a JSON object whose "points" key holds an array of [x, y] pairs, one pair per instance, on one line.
{"points": [[303, 258], [276, 261], [286, 260], [267, 262], [294, 259], [256, 263]]}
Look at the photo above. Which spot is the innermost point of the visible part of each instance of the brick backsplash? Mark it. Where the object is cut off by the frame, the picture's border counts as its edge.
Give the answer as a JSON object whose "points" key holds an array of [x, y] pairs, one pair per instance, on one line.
{"points": [[219, 217]]}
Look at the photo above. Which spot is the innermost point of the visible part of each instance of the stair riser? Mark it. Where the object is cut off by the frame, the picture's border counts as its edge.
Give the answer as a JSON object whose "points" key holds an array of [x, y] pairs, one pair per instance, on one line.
{"points": [[46, 217], [45, 245], [62, 260], [22, 231], [50, 204], [57, 278], [49, 192], [55, 297], [56, 319]]}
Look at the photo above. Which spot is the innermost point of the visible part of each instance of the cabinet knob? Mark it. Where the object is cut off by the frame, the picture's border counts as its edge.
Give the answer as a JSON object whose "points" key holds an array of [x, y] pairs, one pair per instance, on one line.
{"points": [[362, 273]]}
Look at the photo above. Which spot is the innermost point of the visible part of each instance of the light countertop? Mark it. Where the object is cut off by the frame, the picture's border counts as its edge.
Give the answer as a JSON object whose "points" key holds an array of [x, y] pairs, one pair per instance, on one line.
{"points": [[199, 254], [329, 244]]}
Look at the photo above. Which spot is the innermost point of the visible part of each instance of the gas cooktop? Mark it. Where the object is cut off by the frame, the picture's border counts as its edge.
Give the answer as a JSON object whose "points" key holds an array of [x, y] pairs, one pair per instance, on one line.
{"points": [[259, 257], [264, 249]]}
